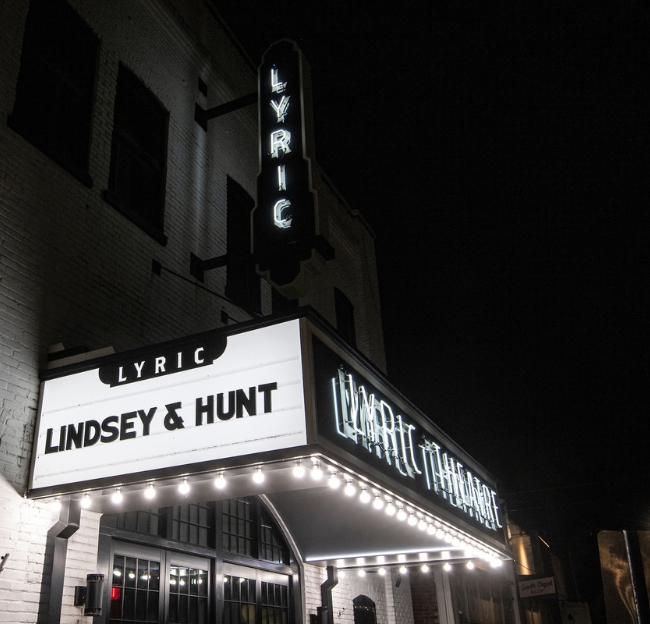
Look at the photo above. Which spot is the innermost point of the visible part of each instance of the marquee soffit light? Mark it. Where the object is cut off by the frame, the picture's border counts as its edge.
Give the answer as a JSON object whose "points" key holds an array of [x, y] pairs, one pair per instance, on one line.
{"points": [[382, 501]]}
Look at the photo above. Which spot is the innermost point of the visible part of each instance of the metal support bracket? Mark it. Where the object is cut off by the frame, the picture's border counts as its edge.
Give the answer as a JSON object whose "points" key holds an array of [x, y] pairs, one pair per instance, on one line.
{"points": [[198, 267], [202, 116]]}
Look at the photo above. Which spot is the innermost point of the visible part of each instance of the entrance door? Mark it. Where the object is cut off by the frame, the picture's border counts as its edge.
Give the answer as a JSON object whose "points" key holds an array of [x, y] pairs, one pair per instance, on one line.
{"points": [[151, 585], [251, 595], [188, 589]]}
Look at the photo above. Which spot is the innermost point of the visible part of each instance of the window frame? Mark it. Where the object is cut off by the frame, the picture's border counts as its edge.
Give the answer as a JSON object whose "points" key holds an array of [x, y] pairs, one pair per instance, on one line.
{"points": [[37, 63], [220, 560], [120, 137]]}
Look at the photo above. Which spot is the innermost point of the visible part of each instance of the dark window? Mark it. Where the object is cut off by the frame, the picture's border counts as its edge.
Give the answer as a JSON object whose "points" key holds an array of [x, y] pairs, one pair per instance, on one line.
{"points": [[54, 92], [364, 610], [273, 546], [193, 524], [136, 184], [242, 281], [141, 521], [238, 526], [344, 318]]}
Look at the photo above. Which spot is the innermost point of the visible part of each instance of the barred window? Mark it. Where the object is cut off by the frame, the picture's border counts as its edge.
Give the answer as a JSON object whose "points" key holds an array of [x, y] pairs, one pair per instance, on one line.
{"points": [[193, 524], [273, 546], [238, 527], [142, 521]]}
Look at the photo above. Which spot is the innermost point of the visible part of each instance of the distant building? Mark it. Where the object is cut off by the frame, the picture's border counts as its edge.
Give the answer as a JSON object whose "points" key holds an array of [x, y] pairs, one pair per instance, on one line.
{"points": [[196, 425]]}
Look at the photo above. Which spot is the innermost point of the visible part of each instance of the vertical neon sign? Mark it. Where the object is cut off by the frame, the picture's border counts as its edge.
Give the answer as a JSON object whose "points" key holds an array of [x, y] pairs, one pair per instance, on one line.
{"points": [[284, 213]]}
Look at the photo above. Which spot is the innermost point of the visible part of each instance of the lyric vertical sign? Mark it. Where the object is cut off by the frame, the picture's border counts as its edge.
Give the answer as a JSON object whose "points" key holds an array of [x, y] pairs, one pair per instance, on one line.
{"points": [[285, 201]]}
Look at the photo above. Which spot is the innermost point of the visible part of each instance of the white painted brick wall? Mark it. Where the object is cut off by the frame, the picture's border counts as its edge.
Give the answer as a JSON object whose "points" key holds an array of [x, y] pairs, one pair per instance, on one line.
{"points": [[393, 604], [74, 270], [81, 560]]}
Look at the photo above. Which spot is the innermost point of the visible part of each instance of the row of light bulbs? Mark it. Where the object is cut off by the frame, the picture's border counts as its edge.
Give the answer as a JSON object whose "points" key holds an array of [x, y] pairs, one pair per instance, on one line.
{"points": [[390, 504], [398, 509], [150, 491], [447, 567]]}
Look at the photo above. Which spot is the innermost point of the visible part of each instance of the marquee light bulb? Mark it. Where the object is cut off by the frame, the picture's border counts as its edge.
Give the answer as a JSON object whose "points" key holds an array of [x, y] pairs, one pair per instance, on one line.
{"points": [[258, 475], [85, 501], [381, 571], [299, 470], [334, 481], [422, 525], [149, 491], [431, 529], [455, 541], [220, 481], [364, 497], [403, 570], [440, 534], [342, 574], [425, 567], [391, 510], [361, 572], [349, 489], [412, 519], [470, 565], [184, 487], [494, 563], [56, 504], [401, 514], [378, 503], [448, 538], [316, 471], [447, 567], [117, 496]]}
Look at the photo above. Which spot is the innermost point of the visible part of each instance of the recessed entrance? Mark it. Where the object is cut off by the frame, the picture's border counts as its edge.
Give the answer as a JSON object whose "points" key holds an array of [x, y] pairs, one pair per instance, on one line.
{"points": [[221, 561]]}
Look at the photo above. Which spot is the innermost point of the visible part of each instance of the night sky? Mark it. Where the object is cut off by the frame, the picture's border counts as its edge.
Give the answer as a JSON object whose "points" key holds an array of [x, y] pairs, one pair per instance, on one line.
{"points": [[498, 151]]}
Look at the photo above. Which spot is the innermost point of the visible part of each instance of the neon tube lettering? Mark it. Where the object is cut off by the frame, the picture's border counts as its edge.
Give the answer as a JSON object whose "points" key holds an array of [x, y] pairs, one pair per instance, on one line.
{"points": [[276, 85], [281, 108], [282, 180], [278, 217], [280, 140]]}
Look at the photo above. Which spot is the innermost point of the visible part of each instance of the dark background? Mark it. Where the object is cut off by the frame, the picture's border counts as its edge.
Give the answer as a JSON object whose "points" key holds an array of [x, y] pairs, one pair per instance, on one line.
{"points": [[498, 151]]}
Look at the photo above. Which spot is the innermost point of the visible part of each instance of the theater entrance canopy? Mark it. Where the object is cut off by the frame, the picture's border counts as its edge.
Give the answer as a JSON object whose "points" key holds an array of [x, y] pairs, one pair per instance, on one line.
{"points": [[282, 409]]}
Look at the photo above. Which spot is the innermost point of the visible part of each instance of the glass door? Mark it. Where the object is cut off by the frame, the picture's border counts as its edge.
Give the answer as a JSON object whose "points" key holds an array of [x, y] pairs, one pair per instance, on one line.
{"points": [[251, 596], [188, 589], [152, 585], [135, 593]]}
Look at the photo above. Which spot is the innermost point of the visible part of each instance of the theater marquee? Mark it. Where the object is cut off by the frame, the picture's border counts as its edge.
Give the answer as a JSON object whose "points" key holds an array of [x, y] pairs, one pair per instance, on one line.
{"points": [[263, 394], [203, 400]]}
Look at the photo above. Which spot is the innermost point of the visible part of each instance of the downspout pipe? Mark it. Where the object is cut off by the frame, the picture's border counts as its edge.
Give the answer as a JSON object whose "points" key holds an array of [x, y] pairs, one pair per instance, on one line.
{"points": [[57, 543], [326, 612]]}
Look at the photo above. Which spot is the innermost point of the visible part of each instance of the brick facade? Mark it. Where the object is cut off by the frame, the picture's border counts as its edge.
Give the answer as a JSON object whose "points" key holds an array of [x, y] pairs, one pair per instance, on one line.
{"points": [[74, 270], [425, 603]]}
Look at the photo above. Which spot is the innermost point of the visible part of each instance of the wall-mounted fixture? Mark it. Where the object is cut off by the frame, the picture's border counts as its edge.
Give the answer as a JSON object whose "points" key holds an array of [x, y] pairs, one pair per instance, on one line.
{"points": [[91, 595]]}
